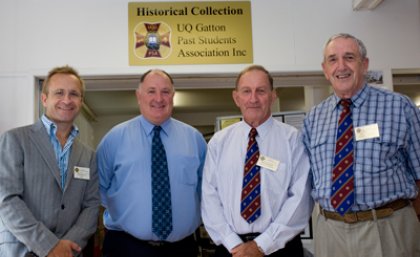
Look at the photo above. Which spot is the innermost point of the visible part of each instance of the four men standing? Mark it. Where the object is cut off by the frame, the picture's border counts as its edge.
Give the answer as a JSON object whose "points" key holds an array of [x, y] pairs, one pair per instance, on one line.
{"points": [[362, 157]]}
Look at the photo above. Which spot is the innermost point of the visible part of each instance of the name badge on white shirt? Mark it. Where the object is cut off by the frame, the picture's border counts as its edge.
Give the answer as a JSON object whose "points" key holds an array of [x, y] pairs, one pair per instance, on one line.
{"points": [[81, 172], [268, 163], [366, 132]]}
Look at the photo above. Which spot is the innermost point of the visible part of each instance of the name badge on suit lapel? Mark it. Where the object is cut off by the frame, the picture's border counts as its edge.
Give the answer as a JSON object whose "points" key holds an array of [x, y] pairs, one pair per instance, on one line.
{"points": [[81, 173]]}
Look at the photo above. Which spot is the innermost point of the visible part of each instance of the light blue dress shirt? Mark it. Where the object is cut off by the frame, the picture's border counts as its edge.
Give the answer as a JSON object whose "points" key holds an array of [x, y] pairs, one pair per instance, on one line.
{"points": [[62, 154], [124, 164], [385, 167], [286, 204]]}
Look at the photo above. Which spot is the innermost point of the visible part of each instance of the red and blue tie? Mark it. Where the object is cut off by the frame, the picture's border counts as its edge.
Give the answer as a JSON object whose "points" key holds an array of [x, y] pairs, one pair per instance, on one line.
{"points": [[251, 187], [342, 190]]}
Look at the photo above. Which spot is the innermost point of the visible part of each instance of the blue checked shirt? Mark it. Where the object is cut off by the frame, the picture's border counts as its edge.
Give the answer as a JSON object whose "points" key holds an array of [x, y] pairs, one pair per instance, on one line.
{"points": [[61, 154], [386, 168]]}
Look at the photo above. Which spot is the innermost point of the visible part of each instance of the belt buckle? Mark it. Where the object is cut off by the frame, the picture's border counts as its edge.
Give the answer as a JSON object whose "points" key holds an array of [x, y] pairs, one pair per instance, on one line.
{"points": [[155, 243], [249, 238], [350, 218]]}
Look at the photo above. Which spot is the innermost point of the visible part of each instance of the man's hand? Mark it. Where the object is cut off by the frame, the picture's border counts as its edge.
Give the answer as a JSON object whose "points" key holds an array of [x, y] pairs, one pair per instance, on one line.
{"points": [[64, 248], [248, 249]]}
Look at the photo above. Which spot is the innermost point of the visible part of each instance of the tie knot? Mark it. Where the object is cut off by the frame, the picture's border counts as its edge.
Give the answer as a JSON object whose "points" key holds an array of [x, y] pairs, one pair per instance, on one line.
{"points": [[345, 102], [253, 133], [157, 129]]}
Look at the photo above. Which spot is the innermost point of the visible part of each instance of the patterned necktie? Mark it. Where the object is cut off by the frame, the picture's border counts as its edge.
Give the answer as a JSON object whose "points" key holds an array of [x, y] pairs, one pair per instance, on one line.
{"points": [[161, 190], [342, 195], [251, 187]]}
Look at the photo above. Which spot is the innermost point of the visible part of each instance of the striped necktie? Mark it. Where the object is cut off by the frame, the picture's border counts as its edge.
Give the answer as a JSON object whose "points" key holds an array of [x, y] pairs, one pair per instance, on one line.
{"points": [[251, 187], [161, 190], [342, 190]]}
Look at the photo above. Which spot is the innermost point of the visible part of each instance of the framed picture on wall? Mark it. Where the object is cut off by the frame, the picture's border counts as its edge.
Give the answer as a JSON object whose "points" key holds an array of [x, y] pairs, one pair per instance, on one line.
{"points": [[307, 233], [375, 77]]}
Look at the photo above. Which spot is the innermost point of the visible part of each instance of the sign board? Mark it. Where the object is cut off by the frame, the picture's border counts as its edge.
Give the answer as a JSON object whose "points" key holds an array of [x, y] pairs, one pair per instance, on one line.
{"points": [[189, 33]]}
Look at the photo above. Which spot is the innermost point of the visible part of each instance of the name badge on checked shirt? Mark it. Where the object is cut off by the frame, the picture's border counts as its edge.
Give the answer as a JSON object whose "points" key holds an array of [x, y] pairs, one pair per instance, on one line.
{"points": [[366, 132], [81, 173]]}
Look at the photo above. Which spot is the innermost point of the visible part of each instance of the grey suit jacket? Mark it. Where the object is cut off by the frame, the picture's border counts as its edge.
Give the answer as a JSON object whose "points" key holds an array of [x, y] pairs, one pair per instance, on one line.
{"points": [[34, 211]]}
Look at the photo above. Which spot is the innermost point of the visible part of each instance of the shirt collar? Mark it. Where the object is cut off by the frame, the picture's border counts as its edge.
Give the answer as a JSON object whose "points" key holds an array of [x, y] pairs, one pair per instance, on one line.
{"points": [[148, 126], [356, 100], [51, 127], [261, 129], [360, 97]]}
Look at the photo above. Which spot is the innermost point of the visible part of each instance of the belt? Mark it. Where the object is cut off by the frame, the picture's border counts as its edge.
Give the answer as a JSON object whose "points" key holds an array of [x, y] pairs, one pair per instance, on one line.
{"points": [[156, 243], [380, 212], [124, 236], [249, 236], [166, 243]]}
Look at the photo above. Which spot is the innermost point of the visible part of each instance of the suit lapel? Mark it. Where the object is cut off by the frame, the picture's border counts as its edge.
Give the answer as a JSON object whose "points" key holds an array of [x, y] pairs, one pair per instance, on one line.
{"points": [[42, 143]]}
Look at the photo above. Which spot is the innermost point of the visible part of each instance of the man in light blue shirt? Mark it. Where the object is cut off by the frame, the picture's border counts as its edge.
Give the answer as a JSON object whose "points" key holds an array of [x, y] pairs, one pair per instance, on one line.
{"points": [[124, 159]]}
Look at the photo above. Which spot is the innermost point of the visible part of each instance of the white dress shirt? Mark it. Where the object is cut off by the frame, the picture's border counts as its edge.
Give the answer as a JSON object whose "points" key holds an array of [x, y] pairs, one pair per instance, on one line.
{"points": [[286, 204]]}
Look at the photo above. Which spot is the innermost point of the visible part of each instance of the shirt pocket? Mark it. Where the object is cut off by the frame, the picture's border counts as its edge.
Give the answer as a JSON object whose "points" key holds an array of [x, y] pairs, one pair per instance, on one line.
{"points": [[276, 181], [188, 170], [321, 157], [378, 155]]}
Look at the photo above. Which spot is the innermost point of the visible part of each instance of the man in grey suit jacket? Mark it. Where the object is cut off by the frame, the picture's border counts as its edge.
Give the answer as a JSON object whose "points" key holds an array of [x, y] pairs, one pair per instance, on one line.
{"points": [[49, 199]]}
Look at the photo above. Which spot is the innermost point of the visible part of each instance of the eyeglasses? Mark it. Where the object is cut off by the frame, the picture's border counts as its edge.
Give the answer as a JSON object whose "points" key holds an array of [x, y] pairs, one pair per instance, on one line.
{"points": [[61, 93]]}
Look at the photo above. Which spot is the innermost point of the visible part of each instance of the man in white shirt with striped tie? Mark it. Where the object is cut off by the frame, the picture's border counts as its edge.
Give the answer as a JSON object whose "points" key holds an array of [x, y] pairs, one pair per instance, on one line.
{"points": [[256, 209]]}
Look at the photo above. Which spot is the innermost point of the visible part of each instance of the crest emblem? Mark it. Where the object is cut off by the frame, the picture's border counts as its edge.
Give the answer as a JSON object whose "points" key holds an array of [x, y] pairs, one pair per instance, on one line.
{"points": [[152, 40]]}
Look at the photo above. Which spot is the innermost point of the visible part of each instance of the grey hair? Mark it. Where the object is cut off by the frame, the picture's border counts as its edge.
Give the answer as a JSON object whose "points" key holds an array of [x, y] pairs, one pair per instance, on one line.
{"points": [[360, 44]]}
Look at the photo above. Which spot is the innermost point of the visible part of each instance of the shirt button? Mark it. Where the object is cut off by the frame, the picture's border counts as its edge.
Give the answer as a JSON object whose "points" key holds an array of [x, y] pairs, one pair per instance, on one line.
{"points": [[62, 207]]}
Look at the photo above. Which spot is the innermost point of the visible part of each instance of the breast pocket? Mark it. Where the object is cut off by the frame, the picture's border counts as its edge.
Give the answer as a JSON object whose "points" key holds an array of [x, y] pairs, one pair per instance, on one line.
{"points": [[277, 180], [188, 170], [322, 151], [377, 155]]}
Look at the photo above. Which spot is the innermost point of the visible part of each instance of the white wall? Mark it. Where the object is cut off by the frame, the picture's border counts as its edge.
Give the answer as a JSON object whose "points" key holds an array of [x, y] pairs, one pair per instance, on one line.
{"points": [[92, 36], [17, 107]]}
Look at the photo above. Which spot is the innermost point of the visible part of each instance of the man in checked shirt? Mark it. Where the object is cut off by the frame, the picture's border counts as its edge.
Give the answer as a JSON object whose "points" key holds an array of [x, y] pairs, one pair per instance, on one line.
{"points": [[380, 219]]}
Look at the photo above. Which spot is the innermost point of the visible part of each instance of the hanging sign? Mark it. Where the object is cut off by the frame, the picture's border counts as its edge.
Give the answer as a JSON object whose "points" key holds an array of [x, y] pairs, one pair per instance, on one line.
{"points": [[189, 33]]}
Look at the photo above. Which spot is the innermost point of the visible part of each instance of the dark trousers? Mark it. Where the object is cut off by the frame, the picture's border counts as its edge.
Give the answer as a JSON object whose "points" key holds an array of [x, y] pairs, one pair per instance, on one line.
{"points": [[293, 248], [121, 244]]}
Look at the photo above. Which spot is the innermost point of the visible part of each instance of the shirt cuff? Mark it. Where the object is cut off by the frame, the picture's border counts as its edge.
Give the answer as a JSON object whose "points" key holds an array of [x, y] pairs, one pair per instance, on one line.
{"points": [[232, 241], [265, 243]]}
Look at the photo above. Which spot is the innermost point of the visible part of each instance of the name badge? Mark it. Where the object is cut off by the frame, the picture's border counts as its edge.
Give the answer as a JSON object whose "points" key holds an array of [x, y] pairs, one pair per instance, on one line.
{"points": [[366, 132], [268, 163], [81, 172]]}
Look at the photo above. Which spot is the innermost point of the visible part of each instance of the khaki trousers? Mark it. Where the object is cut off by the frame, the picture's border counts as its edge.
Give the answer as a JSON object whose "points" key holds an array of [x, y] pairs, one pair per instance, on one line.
{"points": [[395, 236]]}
